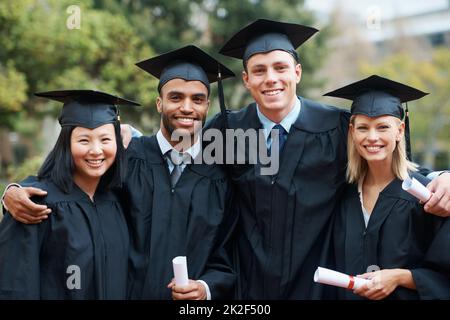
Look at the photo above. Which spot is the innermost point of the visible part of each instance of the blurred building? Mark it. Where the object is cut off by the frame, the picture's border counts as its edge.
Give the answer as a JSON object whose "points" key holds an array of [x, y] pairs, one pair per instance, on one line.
{"points": [[369, 31], [430, 28], [372, 32]]}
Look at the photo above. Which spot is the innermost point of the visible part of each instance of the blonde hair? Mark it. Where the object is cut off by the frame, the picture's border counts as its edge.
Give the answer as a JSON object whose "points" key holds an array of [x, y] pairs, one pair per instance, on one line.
{"points": [[357, 166]]}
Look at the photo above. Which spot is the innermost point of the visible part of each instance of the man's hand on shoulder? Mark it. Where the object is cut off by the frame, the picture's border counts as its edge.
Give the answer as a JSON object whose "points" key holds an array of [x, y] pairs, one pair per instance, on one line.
{"points": [[17, 202], [439, 203]]}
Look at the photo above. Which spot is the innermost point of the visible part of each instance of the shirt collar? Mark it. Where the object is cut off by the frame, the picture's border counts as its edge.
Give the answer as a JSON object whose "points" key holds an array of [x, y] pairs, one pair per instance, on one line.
{"points": [[287, 121], [366, 214], [165, 146]]}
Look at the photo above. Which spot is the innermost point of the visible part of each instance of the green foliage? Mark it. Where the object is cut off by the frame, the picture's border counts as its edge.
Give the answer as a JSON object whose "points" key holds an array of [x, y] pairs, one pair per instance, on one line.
{"points": [[164, 24], [41, 49], [13, 88], [28, 168], [2, 189]]}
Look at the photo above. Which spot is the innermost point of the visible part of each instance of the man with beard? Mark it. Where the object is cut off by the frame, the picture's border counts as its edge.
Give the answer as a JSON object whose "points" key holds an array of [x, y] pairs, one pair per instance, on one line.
{"points": [[175, 205], [178, 206]]}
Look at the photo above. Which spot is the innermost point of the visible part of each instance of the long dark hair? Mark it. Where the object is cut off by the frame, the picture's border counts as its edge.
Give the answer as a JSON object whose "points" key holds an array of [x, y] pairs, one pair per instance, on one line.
{"points": [[59, 166]]}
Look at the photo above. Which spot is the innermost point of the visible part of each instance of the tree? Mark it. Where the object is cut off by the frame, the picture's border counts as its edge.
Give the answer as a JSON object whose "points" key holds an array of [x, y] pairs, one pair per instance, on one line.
{"points": [[167, 25], [40, 53]]}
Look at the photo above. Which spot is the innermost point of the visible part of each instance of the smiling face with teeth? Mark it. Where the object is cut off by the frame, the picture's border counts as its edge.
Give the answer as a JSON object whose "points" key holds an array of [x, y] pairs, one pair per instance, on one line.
{"points": [[93, 153], [376, 138], [183, 106], [272, 79]]}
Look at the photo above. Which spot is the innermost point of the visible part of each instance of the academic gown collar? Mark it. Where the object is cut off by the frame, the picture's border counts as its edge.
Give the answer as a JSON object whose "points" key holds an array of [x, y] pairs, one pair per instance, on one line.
{"points": [[394, 190], [248, 119], [381, 211], [314, 117], [54, 194], [382, 207], [154, 156]]}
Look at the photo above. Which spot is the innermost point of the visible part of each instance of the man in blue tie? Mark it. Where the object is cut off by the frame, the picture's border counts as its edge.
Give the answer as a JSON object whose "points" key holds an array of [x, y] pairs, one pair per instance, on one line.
{"points": [[284, 217], [282, 136]]}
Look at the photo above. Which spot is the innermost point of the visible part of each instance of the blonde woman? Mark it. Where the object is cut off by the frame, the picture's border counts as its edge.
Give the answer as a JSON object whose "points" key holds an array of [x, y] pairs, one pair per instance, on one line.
{"points": [[381, 232]]}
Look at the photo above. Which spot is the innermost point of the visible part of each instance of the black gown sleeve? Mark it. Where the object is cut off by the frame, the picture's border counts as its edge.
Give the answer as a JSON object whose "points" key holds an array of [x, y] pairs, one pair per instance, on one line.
{"points": [[138, 219], [438, 253], [424, 171], [215, 122], [20, 258], [219, 272], [433, 281], [432, 278]]}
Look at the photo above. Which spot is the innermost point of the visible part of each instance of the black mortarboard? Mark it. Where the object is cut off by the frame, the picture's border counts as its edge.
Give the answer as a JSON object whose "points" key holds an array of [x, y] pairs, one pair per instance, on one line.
{"points": [[377, 96], [265, 35], [189, 63], [86, 108]]}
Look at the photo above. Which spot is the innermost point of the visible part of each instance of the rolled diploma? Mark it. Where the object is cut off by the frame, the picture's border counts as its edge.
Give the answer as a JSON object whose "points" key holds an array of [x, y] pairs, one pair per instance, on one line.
{"points": [[334, 278], [180, 271], [418, 190]]}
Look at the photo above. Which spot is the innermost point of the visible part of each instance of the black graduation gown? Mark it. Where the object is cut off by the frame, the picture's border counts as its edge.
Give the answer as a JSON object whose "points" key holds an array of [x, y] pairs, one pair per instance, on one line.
{"points": [[440, 245], [36, 259], [284, 218], [188, 220], [398, 235]]}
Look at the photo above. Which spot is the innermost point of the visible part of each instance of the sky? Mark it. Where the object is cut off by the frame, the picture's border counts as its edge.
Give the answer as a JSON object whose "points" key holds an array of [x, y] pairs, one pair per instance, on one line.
{"points": [[387, 8]]}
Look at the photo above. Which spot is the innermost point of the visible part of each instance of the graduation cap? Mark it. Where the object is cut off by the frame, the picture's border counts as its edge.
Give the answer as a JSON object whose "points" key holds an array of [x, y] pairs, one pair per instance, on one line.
{"points": [[86, 108], [264, 35], [377, 96], [191, 64]]}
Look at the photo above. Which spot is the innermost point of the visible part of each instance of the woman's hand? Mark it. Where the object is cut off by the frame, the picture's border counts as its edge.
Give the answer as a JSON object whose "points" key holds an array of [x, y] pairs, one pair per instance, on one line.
{"points": [[383, 282]]}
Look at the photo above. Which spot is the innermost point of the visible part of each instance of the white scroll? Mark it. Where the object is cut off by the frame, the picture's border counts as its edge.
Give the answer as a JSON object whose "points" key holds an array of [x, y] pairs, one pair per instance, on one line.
{"points": [[334, 278], [418, 190], [180, 271]]}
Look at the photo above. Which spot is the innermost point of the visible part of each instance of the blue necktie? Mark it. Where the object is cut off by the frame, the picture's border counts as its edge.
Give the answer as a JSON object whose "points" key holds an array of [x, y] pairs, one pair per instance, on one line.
{"points": [[282, 136], [177, 159]]}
